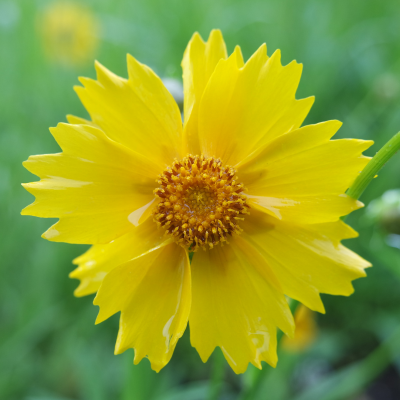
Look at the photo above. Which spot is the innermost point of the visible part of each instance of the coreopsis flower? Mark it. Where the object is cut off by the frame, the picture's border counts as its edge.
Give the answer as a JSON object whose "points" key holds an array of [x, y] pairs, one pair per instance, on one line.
{"points": [[70, 32], [255, 196]]}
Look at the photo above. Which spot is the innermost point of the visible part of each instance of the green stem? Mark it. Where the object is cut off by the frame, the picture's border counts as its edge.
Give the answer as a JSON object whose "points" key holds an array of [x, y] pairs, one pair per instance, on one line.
{"points": [[217, 375], [373, 167]]}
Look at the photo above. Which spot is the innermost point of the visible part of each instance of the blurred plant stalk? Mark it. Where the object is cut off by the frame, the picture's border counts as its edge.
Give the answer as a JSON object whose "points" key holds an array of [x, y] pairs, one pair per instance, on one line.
{"points": [[351, 379]]}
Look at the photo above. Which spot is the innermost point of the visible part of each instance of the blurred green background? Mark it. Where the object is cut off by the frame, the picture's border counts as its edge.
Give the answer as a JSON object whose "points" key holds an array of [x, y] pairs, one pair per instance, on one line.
{"points": [[50, 348]]}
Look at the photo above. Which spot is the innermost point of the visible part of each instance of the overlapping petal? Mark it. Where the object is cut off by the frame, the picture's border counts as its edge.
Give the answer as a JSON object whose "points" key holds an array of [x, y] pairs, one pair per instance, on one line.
{"points": [[74, 120], [153, 293], [244, 107], [199, 61], [306, 259], [135, 111], [100, 259], [93, 186], [237, 305], [302, 176]]}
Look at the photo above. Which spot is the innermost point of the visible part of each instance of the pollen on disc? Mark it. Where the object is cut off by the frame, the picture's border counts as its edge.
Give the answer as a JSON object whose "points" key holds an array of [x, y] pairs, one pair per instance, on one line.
{"points": [[201, 202]]}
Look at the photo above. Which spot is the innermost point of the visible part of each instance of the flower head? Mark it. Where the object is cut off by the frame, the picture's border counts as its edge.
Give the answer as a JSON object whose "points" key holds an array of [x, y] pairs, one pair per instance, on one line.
{"points": [[69, 32], [240, 183], [200, 202]]}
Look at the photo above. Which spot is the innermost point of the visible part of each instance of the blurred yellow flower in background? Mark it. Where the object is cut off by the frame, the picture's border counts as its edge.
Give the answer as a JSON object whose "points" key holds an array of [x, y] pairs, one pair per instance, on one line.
{"points": [[254, 195], [70, 32], [306, 331]]}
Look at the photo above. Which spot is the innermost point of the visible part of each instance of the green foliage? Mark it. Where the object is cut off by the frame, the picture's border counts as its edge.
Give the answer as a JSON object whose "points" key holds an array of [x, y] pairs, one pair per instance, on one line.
{"points": [[49, 346]]}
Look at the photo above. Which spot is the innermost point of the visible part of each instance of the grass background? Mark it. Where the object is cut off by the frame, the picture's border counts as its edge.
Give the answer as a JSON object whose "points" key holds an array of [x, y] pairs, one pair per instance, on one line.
{"points": [[49, 346]]}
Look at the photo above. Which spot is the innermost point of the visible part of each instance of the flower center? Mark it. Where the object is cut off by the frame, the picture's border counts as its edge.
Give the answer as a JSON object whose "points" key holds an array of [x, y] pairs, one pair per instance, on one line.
{"points": [[201, 202]]}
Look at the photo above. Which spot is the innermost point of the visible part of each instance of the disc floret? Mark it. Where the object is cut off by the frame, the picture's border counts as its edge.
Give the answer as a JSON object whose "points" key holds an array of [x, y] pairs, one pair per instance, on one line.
{"points": [[201, 202]]}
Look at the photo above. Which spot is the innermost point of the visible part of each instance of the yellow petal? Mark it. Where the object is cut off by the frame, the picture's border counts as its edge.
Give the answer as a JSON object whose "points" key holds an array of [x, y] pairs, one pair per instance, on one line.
{"points": [[73, 120], [100, 259], [302, 176], [153, 294], [239, 56], [243, 108], [199, 62], [141, 214], [305, 209], [236, 306], [135, 112], [306, 331], [93, 186], [307, 260]]}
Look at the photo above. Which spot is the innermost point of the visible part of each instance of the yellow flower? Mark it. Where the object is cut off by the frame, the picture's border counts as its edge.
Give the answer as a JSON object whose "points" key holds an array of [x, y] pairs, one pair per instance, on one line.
{"points": [[306, 331], [69, 32], [146, 191]]}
